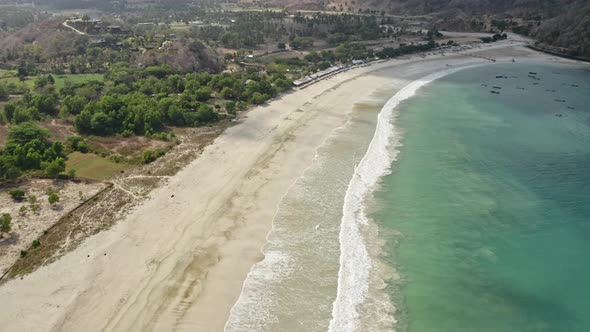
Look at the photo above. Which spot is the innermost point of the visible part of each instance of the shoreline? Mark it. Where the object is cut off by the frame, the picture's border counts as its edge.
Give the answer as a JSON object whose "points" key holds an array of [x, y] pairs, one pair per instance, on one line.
{"points": [[356, 263], [179, 262], [383, 263]]}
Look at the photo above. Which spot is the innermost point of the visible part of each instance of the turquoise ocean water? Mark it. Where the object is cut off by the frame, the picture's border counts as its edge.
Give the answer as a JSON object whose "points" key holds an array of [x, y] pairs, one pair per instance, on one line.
{"points": [[486, 214]]}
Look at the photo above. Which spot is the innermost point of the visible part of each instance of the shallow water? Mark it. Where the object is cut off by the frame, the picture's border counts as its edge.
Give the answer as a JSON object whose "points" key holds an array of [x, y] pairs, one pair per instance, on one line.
{"points": [[487, 212], [293, 288]]}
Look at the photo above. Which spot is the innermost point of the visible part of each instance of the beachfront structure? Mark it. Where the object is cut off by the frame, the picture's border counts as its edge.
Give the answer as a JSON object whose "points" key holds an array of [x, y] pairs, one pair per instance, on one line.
{"points": [[317, 75]]}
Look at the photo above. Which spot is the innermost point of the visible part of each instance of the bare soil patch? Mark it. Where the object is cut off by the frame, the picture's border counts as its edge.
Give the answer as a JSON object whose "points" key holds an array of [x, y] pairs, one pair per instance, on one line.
{"points": [[123, 192], [32, 217]]}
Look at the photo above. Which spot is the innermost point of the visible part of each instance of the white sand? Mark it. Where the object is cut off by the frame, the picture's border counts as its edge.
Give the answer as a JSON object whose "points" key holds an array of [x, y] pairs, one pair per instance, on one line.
{"points": [[179, 263]]}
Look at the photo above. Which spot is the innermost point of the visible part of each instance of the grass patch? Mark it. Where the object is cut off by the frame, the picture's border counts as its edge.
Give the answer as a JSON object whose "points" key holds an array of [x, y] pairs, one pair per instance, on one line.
{"points": [[77, 78], [91, 166], [7, 73], [60, 80]]}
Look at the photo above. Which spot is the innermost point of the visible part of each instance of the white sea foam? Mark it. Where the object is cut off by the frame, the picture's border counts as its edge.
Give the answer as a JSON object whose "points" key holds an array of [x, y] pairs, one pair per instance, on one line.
{"points": [[355, 262]]}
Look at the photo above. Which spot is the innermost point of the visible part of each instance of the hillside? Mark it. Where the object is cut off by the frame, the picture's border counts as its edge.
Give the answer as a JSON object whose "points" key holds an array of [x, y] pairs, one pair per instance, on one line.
{"points": [[419, 7], [560, 23]]}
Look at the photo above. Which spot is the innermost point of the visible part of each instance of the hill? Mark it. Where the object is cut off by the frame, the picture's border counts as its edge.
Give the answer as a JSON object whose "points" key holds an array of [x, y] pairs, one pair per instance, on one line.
{"points": [[564, 24]]}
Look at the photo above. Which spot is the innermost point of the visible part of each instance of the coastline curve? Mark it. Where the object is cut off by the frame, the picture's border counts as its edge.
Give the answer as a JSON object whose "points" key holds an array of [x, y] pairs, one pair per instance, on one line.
{"points": [[355, 260]]}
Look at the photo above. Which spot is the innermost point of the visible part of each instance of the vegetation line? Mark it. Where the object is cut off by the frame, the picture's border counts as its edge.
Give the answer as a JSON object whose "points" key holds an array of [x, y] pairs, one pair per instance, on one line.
{"points": [[62, 219]]}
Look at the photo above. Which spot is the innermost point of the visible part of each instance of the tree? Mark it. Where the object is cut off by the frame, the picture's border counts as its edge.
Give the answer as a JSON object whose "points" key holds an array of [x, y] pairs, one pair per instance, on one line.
{"points": [[3, 92], [202, 94], [17, 194], [9, 110], [77, 143], [227, 93], [45, 103], [85, 18], [5, 223], [259, 98], [301, 42], [83, 121], [100, 123], [25, 133], [41, 82], [73, 105], [281, 46], [55, 167], [176, 115], [53, 198]]}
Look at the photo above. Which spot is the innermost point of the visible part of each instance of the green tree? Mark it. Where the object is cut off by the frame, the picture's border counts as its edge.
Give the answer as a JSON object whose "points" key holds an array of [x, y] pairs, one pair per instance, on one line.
{"points": [[176, 116], [9, 110], [3, 92], [45, 103], [73, 105], [101, 123], [83, 121], [25, 133], [259, 98], [41, 82], [202, 94], [54, 168]]}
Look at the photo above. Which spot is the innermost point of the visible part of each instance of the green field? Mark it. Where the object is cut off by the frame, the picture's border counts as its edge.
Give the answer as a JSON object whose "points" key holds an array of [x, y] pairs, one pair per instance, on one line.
{"points": [[10, 76], [91, 166], [78, 78]]}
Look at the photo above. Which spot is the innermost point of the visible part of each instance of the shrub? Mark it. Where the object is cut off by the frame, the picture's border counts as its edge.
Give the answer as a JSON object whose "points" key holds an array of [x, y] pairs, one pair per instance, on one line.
{"points": [[230, 107], [77, 143], [17, 194], [36, 244], [147, 157], [5, 223], [53, 198], [23, 253]]}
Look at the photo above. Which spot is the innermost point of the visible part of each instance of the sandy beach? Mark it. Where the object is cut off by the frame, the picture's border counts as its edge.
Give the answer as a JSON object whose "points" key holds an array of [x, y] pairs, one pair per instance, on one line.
{"points": [[178, 261]]}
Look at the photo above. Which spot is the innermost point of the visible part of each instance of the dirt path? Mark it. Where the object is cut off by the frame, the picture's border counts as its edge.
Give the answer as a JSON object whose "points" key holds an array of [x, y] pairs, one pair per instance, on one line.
{"points": [[65, 24]]}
